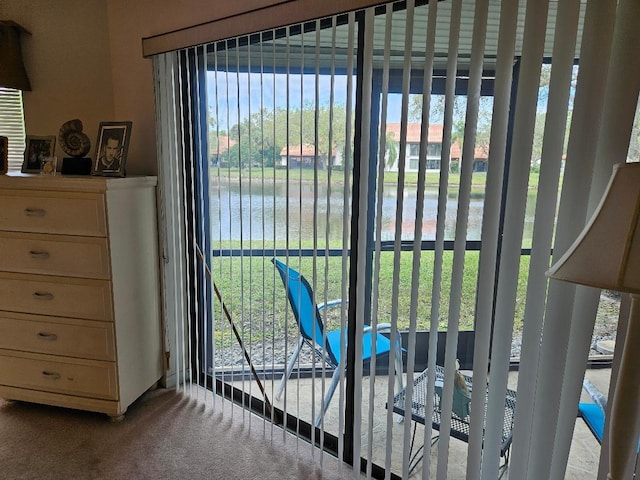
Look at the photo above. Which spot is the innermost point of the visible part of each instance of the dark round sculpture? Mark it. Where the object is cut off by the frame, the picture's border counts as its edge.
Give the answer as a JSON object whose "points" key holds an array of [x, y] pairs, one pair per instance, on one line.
{"points": [[72, 141]]}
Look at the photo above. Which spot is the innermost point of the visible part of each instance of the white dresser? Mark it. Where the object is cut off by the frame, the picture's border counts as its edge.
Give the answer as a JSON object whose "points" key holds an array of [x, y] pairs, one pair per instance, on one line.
{"points": [[79, 291]]}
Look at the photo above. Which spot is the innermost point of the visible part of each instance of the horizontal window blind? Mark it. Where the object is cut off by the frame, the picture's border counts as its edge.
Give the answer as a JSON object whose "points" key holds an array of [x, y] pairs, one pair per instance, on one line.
{"points": [[12, 125]]}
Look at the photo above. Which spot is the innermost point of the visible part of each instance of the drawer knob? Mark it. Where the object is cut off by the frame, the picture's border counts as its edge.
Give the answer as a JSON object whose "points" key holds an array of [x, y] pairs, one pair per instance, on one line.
{"points": [[38, 254], [47, 336], [51, 375], [35, 212], [43, 295]]}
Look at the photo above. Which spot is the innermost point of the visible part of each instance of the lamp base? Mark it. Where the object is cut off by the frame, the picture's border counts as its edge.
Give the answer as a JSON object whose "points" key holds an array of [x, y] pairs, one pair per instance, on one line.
{"points": [[625, 417]]}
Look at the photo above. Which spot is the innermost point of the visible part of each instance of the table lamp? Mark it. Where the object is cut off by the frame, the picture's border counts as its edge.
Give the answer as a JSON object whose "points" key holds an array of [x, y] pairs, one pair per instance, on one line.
{"points": [[12, 72], [606, 255]]}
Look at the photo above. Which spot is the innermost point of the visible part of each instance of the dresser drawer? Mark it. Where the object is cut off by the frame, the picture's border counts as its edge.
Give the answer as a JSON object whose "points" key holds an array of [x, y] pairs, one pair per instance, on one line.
{"points": [[57, 336], [56, 296], [53, 212], [70, 376], [54, 255]]}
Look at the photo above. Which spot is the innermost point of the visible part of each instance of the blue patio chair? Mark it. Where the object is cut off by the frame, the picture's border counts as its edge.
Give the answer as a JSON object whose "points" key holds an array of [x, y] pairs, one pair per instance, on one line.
{"points": [[593, 414], [309, 319]]}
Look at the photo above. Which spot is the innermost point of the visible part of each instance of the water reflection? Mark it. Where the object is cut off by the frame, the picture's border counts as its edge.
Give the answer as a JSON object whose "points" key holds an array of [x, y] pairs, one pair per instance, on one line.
{"points": [[275, 211]]}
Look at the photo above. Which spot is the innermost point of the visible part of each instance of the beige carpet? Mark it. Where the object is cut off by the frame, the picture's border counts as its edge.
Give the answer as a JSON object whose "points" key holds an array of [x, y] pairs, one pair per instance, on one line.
{"points": [[165, 436]]}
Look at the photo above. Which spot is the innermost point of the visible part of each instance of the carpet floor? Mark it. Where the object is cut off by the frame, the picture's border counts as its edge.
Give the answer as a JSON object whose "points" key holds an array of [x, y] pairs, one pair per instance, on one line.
{"points": [[165, 435]]}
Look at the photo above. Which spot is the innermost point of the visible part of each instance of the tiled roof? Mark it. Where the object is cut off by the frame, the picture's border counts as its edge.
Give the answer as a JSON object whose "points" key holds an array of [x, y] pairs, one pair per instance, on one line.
{"points": [[481, 151], [435, 136], [224, 143], [305, 150], [414, 130]]}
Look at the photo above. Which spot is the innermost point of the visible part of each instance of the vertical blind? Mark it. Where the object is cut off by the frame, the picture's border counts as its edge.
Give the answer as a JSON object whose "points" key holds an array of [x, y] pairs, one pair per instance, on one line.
{"points": [[278, 145]]}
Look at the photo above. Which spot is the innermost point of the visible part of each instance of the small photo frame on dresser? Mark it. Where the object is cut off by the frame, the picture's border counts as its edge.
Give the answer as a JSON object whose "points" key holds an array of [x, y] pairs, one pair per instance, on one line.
{"points": [[111, 149], [4, 155], [38, 149]]}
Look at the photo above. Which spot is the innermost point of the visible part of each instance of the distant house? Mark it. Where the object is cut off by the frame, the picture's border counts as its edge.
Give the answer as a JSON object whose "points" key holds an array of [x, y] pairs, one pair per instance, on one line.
{"points": [[224, 144], [434, 149], [434, 146], [304, 156], [480, 156]]}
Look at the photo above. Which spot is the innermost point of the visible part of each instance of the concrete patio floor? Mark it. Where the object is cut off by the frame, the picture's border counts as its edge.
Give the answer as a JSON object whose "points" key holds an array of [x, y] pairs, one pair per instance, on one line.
{"points": [[583, 457]]}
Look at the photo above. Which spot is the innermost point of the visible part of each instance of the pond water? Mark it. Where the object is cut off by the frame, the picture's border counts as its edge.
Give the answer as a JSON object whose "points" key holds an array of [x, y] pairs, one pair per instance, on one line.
{"points": [[275, 212]]}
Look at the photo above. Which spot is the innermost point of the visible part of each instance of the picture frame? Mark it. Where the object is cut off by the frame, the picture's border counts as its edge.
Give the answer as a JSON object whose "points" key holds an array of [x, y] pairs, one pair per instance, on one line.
{"points": [[38, 148], [4, 155], [111, 149]]}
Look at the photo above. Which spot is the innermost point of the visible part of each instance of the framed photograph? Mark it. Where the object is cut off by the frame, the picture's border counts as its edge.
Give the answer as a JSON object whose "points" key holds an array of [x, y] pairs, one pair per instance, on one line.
{"points": [[111, 149], [4, 155], [38, 149]]}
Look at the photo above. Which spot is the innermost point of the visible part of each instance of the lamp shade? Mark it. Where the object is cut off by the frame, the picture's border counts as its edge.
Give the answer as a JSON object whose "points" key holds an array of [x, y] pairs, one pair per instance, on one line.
{"points": [[12, 72], [607, 253]]}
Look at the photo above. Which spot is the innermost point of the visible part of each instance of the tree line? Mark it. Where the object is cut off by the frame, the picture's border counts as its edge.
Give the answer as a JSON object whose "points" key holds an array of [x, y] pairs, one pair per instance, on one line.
{"points": [[259, 139]]}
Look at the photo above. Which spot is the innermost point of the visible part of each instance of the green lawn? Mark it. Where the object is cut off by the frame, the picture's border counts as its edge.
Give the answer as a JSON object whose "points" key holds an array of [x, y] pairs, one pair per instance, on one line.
{"points": [[478, 180], [253, 291]]}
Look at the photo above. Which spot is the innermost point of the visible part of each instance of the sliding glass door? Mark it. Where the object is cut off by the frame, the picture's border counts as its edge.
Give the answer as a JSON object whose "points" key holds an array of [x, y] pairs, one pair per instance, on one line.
{"points": [[321, 157], [364, 194]]}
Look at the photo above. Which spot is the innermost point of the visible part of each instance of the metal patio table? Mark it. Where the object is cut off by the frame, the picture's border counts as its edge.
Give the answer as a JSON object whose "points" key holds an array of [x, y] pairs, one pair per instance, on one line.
{"points": [[459, 426]]}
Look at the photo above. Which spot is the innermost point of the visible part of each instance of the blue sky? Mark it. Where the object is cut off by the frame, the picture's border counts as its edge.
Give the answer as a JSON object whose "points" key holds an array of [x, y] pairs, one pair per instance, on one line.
{"points": [[300, 88], [249, 87]]}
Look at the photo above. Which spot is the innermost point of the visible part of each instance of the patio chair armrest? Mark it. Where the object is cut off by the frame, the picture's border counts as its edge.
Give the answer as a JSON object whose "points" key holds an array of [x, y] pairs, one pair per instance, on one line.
{"points": [[381, 327], [332, 303], [596, 395]]}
